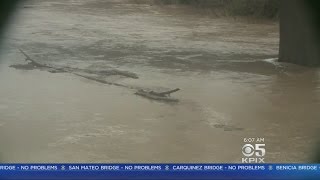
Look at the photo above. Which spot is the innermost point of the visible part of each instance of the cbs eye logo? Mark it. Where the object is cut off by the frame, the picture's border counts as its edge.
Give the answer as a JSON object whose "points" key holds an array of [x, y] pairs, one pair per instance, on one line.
{"points": [[249, 150]]}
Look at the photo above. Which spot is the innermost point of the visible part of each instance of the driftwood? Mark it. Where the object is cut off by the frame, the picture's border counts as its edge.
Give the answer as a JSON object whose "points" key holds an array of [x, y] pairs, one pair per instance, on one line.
{"points": [[166, 93], [38, 65], [26, 55], [32, 61], [71, 70]]}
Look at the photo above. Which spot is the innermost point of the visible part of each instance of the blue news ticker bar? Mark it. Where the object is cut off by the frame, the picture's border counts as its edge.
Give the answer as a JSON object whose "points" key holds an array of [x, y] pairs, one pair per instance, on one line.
{"points": [[159, 171]]}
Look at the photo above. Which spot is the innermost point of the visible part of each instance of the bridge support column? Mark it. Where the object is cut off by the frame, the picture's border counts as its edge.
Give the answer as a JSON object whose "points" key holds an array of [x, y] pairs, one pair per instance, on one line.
{"points": [[299, 33]]}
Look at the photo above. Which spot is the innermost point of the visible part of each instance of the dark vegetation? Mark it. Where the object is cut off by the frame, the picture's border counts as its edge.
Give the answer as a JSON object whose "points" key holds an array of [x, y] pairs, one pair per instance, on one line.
{"points": [[257, 8]]}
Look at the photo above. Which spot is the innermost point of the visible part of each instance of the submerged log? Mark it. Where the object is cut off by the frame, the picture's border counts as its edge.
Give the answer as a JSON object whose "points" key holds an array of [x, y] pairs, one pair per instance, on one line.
{"points": [[162, 96], [167, 92]]}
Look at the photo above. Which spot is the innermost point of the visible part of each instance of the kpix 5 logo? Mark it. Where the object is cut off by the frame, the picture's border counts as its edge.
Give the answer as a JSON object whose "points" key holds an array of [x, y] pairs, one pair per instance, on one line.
{"points": [[254, 151]]}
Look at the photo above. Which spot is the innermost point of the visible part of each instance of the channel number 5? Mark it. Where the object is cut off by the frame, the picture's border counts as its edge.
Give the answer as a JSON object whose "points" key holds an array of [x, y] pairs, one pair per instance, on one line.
{"points": [[259, 150]]}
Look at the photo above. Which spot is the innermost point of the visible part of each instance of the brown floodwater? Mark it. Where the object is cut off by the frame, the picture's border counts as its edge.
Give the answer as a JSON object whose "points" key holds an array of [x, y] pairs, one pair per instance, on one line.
{"points": [[231, 85]]}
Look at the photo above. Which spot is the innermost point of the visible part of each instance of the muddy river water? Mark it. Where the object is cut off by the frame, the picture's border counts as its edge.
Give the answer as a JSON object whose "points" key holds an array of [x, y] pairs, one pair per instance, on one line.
{"points": [[231, 85]]}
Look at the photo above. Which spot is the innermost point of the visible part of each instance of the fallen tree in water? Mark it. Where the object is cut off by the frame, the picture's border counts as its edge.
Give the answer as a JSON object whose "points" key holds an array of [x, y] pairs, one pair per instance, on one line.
{"points": [[85, 73]]}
